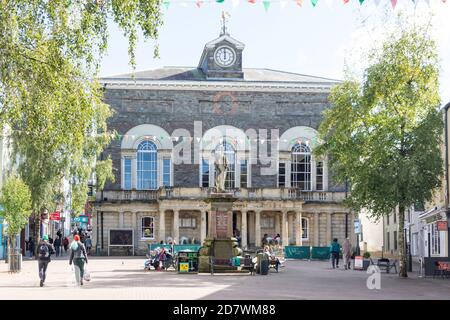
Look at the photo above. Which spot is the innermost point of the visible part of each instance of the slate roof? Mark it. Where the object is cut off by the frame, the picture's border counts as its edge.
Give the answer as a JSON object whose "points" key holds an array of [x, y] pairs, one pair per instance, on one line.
{"points": [[194, 74]]}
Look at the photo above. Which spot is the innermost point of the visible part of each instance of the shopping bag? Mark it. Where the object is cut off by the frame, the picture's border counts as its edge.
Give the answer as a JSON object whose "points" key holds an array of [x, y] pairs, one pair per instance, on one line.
{"points": [[87, 275]]}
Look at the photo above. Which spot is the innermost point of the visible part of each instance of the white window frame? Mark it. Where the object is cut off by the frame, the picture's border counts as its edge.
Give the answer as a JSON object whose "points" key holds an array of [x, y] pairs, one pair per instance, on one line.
{"points": [[143, 237], [307, 229], [297, 151], [435, 237], [157, 165], [267, 222], [192, 224]]}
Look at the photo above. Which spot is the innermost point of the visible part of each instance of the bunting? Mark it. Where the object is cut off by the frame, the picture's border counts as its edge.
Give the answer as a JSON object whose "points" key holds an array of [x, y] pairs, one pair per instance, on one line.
{"points": [[267, 3]]}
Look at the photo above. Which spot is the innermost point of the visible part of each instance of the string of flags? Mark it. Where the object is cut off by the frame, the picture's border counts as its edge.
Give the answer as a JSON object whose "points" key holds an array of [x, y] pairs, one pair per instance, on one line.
{"points": [[300, 3], [213, 140]]}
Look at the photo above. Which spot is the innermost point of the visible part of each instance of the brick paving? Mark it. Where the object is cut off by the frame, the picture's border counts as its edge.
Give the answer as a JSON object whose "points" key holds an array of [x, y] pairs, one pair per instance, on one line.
{"points": [[124, 278]]}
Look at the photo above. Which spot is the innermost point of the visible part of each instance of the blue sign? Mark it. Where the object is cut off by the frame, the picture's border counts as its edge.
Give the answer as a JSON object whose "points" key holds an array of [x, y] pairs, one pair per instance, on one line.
{"points": [[357, 224], [82, 219]]}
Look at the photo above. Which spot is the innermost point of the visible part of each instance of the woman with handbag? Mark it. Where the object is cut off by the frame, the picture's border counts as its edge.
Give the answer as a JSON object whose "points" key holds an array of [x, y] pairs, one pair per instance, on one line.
{"points": [[79, 257]]}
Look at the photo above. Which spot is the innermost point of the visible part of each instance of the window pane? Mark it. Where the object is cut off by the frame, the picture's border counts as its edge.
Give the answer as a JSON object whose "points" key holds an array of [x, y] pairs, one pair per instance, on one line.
{"points": [[127, 174], [147, 227], [205, 173], [282, 174], [166, 172], [301, 167], [305, 228], [319, 176], [243, 173], [147, 166]]}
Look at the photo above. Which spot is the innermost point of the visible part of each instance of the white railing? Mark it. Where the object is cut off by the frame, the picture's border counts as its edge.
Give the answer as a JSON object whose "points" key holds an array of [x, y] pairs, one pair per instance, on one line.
{"points": [[202, 193]]}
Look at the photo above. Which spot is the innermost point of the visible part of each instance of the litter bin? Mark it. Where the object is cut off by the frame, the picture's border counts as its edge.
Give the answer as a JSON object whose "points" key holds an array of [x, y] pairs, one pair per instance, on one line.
{"points": [[264, 267], [262, 262], [187, 261]]}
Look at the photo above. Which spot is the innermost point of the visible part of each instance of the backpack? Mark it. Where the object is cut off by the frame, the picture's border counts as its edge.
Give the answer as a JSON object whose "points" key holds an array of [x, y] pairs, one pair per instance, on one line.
{"points": [[44, 252]]}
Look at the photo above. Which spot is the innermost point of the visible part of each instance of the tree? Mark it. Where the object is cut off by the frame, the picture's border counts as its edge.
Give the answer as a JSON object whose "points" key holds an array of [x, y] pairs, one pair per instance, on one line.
{"points": [[16, 201], [49, 53], [384, 134]]}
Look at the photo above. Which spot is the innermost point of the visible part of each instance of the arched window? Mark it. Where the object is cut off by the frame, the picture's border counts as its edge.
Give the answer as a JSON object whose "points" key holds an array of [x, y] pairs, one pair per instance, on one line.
{"points": [[147, 170], [226, 149], [301, 167]]}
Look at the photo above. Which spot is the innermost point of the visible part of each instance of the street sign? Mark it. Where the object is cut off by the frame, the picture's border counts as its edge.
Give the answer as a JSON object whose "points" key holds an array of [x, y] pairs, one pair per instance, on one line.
{"points": [[82, 219], [55, 216], [357, 224]]}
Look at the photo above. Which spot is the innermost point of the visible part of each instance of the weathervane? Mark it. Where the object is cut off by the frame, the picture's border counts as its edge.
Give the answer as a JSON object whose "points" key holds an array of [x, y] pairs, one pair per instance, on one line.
{"points": [[225, 15]]}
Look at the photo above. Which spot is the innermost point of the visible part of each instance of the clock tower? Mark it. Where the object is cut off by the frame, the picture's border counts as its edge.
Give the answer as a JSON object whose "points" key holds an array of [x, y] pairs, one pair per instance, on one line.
{"points": [[222, 58]]}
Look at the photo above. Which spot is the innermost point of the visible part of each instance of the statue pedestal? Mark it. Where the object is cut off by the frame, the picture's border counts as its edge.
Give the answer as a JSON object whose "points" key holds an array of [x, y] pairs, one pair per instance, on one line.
{"points": [[220, 244]]}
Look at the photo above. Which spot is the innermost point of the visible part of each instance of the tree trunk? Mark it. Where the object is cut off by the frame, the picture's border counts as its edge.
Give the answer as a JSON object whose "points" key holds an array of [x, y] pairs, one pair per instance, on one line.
{"points": [[36, 231], [401, 242]]}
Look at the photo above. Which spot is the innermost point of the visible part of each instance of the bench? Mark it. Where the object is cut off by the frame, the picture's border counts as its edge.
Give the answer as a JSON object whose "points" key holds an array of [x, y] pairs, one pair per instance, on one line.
{"points": [[386, 264], [441, 268]]}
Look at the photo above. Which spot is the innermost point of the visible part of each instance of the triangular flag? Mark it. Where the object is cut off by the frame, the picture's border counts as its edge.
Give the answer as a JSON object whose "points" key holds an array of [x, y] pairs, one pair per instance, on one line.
{"points": [[166, 3], [220, 1], [394, 3], [361, 2], [266, 4], [299, 2], [346, 1], [252, 1], [198, 3], [314, 2]]}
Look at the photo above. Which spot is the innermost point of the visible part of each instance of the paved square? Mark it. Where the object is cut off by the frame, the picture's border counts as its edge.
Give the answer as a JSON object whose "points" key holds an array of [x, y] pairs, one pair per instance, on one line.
{"points": [[124, 278]]}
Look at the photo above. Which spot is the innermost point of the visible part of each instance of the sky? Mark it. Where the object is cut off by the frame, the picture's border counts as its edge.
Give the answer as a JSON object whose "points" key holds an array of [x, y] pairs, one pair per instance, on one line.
{"points": [[315, 41]]}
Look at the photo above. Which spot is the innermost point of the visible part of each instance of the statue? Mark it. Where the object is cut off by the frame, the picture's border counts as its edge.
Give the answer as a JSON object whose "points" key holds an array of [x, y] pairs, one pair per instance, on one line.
{"points": [[221, 166]]}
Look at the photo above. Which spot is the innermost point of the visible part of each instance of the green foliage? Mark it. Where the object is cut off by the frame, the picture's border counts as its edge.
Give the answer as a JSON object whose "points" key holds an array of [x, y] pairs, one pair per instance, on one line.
{"points": [[49, 53], [16, 201], [384, 135], [366, 255]]}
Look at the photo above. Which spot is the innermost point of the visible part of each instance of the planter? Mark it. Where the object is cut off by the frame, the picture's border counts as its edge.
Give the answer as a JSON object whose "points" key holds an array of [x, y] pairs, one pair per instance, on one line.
{"points": [[359, 263], [15, 262]]}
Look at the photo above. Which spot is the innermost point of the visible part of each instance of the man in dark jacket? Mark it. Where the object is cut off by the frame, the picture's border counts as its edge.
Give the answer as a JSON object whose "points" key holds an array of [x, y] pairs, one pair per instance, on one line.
{"points": [[57, 244], [44, 250], [335, 249]]}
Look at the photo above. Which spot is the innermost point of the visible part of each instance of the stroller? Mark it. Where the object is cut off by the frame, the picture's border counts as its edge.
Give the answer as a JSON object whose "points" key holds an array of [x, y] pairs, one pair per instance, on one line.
{"points": [[159, 259]]}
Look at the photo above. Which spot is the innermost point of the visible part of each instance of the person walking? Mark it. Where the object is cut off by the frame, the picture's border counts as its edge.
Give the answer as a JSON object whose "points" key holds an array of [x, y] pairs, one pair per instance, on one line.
{"points": [[45, 249], [57, 245], [66, 244], [31, 247], [335, 249], [347, 253], [79, 257], [88, 245]]}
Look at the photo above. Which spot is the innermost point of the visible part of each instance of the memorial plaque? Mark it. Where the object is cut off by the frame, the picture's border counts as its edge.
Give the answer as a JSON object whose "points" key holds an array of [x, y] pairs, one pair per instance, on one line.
{"points": [[222, 225]]}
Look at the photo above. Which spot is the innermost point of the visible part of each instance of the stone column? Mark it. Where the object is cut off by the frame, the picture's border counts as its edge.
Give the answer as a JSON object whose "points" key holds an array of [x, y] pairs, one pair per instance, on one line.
{"points": [[329, 228], [162, 225], [284, 228], [257, 228], [121, 219], [135, 231], [203, 226], [244, 229], [176, 225], [298, 229], [316, 230]]}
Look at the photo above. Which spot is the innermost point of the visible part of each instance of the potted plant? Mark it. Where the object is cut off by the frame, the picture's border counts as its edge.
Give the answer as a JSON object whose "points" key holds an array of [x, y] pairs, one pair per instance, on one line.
{"points": [[366, 261]]}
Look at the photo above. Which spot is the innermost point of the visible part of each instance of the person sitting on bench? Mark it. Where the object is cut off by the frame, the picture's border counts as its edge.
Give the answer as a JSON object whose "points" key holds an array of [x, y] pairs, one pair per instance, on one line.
{"points": [[273, 260]]}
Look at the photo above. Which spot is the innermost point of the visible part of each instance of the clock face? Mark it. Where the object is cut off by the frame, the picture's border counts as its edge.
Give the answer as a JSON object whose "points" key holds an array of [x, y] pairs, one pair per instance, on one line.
{"points": [[225, 56]]}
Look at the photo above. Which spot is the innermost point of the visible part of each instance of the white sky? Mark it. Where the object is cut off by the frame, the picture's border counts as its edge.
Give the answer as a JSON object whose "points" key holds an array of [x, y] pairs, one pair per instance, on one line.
{"points": [[315, 41]]}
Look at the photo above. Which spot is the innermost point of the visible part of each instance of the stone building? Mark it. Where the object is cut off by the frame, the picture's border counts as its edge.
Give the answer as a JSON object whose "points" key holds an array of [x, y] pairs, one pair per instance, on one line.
{"points": [[173, 125]]}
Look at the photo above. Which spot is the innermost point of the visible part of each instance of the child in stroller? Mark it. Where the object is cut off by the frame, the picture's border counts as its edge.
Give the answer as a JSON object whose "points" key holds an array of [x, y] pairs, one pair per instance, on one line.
{"points": [[159, 259]]}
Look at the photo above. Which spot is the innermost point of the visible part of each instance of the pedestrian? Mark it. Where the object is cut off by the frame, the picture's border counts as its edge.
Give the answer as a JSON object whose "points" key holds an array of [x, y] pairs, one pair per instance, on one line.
{"points": [[66, 244], [88, 245], [264, 240], [57, 245], [31, 247], [335, 249], [79, 257], [347, 253], [45, 249]]}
